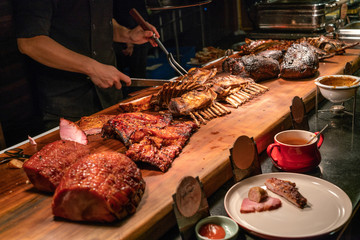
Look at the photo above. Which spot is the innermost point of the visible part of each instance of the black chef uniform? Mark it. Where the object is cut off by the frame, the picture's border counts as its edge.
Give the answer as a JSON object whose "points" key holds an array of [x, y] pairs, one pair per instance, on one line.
{"points": [[84, 26]]}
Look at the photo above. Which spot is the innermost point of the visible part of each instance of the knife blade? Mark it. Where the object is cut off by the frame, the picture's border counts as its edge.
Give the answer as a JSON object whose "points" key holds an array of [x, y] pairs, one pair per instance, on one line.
{"points": [[144, 82]]}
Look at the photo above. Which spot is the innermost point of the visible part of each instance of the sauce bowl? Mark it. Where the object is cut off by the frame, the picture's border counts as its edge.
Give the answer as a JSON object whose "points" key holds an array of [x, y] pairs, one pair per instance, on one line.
{"points": [[338, 88], [230, 226]]}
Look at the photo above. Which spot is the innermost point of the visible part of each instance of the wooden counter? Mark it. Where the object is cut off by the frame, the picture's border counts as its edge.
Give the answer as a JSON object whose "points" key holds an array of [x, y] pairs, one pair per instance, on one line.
{"points": [[26, 213]]}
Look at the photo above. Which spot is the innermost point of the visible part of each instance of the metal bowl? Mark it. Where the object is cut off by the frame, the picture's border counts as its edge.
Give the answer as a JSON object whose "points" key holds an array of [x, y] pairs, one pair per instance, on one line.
{"points": [[338, 88]]}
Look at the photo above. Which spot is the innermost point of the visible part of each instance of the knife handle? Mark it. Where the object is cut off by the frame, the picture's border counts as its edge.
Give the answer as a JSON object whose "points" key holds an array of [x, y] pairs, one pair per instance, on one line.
{"points": [[139, 19]]}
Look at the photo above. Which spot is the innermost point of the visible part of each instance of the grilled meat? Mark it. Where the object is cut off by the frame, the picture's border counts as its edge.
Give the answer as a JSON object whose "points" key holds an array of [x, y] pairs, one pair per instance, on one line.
{"points": [[257, 194], [256, 46], [154, 139], [286, 189], [191, 101], [132, 127], [46, 167], [330, 45], [92, 125], [260, 68], [299, 61], [234, 66], [274, 54], [101, 187], [253, 66], [161, 146]]}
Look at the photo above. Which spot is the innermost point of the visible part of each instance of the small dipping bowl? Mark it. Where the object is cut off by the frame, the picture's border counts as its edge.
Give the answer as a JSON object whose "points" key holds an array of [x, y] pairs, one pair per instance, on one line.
{"points": [[230, 226], [338, 88]]}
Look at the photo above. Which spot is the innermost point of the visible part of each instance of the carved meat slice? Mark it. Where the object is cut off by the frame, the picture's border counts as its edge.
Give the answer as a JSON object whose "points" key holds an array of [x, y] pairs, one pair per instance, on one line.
{"points": [[92, 125], [72, 132], [286, 189], [101, 187], [270, 203]]}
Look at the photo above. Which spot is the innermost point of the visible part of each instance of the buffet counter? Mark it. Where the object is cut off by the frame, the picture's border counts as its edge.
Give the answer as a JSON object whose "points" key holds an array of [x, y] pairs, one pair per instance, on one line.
{"points": [[26, 212]]}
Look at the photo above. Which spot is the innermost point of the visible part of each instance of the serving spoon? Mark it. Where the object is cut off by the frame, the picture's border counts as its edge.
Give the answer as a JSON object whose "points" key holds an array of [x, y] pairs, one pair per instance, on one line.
{"points": [[315, 136]]}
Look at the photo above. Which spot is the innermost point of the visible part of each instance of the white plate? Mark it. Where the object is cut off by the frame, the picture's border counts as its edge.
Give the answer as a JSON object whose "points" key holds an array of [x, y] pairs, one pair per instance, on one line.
{"points": [[329, 208]]}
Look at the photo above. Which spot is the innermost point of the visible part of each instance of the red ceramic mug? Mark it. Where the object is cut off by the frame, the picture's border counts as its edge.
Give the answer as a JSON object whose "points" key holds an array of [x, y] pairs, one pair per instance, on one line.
{"points": [[291, 152]]}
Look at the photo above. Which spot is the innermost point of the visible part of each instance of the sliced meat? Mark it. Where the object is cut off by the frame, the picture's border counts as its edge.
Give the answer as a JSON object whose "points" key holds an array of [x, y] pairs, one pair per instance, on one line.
{"points": [[257, 194], [286, 189], [270, 203], [102, 187], [92, 125], [72, 132], [46, 167]]}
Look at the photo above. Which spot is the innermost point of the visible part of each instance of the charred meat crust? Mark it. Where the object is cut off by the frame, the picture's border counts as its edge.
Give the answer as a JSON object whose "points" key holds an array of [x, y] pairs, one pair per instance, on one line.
{"points": [[286, 189]]}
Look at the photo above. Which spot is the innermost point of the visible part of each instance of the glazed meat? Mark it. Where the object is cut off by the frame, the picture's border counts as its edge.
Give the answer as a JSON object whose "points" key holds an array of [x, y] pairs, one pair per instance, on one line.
{"points": [[101, 187], [46, 167], [132, 127], [253, 66], [153, 139], [300, 61], [92, 125], [286, 189], [191, 101], [161, 147]]}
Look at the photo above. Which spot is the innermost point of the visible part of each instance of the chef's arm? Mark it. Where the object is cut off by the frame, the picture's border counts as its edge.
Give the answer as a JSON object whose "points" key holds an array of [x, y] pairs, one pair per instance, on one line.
{"points": [[45, 50], [136, 35]]}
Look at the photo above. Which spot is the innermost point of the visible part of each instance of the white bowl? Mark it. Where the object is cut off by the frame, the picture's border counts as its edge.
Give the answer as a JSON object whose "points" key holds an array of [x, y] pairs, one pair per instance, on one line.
{"points": [[338, 88]]}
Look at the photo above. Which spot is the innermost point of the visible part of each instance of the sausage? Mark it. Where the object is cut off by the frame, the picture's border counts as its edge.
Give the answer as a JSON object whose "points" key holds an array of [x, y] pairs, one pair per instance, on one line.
{"points": [[257, 194]]}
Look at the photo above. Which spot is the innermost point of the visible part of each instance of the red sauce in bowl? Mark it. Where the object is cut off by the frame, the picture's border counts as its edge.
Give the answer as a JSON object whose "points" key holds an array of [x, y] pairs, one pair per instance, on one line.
{"points": [[212, 231]]}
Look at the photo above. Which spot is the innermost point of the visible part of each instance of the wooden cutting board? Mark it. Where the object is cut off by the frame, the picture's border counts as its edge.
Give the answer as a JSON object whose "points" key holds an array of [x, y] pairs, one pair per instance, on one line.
{"points": [[26, 213]]}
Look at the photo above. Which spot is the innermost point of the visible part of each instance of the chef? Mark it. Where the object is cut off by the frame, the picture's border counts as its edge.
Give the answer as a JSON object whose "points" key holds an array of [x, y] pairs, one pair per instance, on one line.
{"points": [[71, 42]]}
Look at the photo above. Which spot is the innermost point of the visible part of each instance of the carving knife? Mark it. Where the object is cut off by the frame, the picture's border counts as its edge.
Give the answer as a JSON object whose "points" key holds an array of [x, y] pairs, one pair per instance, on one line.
{"points": [[143, 82]]}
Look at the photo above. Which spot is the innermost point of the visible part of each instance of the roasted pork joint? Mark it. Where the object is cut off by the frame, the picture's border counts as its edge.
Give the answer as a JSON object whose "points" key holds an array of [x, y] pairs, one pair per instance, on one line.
{"points": [[102, 187], [46, 167], [286, 189]]}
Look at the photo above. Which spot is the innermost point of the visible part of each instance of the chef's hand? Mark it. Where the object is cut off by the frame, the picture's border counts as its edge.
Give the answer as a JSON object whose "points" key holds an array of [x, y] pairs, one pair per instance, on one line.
{"points": [[128, 51], [140, 36], [106, 76]]}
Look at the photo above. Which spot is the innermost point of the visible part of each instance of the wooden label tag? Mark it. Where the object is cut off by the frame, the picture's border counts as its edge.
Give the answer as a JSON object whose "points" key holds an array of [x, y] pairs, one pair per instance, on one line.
{"points": [[244, 158], [298, 114], [190, 205]]}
